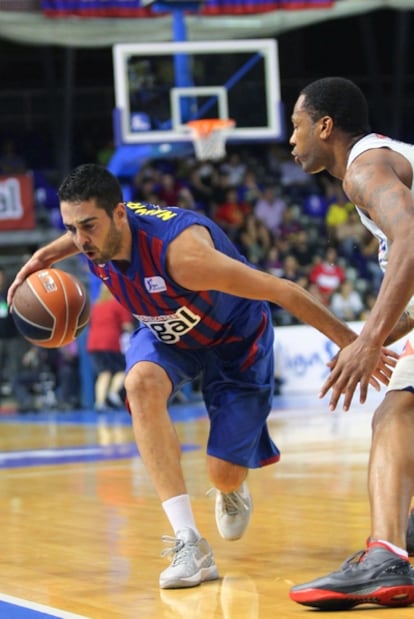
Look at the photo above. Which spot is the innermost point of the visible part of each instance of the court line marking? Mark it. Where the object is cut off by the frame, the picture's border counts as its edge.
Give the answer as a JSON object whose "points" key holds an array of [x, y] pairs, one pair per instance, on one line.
{"points": [[53, 612]]}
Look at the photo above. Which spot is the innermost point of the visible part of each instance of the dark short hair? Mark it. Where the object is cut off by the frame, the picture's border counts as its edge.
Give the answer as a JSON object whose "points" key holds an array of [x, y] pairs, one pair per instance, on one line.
{"points": [[340, 99], [92, 181]]}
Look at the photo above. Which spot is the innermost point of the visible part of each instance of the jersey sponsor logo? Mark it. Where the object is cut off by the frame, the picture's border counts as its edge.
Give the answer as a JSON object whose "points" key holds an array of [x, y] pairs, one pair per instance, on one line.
{"points": [[171, 327], [155, 284], [151, 209]]}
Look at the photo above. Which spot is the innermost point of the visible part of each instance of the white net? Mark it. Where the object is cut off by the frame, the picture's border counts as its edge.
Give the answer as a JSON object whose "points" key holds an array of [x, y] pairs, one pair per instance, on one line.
{"points": [[209, 137]]}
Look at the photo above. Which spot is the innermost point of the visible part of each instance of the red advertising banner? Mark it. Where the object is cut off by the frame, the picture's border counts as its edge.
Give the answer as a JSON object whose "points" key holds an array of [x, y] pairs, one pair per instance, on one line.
{"points": [[16, 202]]}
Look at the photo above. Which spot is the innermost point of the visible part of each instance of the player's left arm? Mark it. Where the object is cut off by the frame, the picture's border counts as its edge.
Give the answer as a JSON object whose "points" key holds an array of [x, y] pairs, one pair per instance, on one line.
{"points": [[378, 182], [195, 264]]}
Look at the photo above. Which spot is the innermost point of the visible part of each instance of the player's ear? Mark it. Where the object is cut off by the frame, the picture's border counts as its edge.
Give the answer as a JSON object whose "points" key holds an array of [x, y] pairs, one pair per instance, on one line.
{"points": [[326, 126], [120, 212]]}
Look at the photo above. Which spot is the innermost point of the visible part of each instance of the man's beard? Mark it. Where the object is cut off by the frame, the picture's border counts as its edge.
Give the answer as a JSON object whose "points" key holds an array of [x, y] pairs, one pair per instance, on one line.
{"points": [[112, 247]]}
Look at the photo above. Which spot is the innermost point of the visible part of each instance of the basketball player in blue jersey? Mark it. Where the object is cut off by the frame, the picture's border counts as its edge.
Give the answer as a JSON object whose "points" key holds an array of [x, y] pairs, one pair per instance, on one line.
{"points": [[202, 310], [331, 132]]}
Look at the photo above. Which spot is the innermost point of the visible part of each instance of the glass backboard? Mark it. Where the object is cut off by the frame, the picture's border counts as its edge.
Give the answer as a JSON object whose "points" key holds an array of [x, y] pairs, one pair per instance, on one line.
{"points": [[160, 87]]}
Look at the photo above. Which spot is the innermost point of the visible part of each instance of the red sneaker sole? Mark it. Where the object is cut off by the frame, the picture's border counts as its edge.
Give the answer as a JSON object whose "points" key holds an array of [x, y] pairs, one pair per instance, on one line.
{"points": [[401, 595]]}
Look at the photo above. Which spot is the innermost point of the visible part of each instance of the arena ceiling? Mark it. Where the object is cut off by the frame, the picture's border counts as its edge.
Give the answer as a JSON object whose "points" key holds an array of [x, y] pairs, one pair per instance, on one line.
{"points": [[31, 27]]}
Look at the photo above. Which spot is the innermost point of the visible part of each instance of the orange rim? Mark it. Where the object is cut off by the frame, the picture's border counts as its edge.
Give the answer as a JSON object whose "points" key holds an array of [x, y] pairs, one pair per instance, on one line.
{"points": [[207, 125]]}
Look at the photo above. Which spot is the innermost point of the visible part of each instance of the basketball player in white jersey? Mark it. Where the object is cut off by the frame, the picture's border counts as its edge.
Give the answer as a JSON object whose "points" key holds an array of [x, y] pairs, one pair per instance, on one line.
{"points": [[331, 132]]}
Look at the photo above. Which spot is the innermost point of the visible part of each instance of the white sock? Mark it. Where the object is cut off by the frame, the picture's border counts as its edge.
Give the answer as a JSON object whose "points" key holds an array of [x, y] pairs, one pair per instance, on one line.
{"points": [[396, 549], [179, 513]]}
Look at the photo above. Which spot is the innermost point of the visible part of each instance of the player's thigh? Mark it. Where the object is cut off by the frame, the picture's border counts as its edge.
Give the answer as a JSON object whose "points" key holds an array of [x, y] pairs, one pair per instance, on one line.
{"points": [[180, 366]]}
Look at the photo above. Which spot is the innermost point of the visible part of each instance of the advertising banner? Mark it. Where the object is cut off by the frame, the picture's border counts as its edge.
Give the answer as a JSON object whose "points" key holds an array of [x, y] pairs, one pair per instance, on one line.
{"points": [[145, 8], [16, 202]]}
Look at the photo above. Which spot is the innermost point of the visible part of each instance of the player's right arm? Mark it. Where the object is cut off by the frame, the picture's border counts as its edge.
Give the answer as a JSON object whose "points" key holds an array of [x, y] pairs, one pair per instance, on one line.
{"points": [[59, 249], [379, 182]]}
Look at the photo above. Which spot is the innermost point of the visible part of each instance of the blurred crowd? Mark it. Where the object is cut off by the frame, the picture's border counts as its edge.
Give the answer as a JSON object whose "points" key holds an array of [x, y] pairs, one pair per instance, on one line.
{"points": [[286, 222]]}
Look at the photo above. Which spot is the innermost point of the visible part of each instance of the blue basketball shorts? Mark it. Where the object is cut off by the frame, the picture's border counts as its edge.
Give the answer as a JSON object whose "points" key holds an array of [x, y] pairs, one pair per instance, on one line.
{"points": [[237, 384]]}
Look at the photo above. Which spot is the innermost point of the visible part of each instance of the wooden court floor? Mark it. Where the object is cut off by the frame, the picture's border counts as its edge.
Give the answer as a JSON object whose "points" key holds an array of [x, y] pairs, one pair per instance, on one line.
{"points": [[81, 526]]}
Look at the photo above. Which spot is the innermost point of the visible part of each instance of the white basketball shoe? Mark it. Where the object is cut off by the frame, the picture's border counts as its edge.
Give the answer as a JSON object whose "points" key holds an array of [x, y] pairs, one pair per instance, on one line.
{"points": [[192, 562], [233, 512]]}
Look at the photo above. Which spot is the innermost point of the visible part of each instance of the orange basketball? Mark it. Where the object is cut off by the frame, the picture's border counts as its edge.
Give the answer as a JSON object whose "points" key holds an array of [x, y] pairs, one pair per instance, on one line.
{"points": [[51, 308]]}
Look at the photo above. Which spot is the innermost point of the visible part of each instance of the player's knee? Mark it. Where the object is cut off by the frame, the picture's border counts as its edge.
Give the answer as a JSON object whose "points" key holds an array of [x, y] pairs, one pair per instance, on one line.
{"points": [[146, 381], [225, 476], [397, 407]]}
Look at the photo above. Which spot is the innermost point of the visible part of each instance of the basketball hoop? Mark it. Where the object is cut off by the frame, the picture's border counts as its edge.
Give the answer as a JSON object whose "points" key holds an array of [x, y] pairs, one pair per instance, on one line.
{"points": [[209, 137]]}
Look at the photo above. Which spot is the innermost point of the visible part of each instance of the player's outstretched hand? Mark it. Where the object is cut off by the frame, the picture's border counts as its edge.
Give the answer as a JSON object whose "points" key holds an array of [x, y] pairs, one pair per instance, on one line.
{"points": [[360, 363]]}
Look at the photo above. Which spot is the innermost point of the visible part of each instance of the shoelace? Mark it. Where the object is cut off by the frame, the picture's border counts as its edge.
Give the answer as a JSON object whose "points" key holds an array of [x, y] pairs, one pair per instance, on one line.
{"points": [[178, 548], [354, 559], [357, 558], [233, 502]]}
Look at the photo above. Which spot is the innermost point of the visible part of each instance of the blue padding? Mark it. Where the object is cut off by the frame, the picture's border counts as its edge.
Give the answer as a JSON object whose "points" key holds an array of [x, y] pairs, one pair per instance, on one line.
{"points": [[128, 158]]}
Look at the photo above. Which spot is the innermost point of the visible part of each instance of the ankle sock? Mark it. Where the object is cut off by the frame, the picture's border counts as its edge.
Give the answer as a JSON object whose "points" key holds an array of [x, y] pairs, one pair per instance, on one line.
{"points": [[396, 549], [179, 513]]}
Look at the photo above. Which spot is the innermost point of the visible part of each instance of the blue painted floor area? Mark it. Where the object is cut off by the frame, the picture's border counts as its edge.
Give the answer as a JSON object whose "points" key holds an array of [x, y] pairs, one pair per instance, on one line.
{"points": [[14, 608], [115, 451], [85, 453], [178, 412]]}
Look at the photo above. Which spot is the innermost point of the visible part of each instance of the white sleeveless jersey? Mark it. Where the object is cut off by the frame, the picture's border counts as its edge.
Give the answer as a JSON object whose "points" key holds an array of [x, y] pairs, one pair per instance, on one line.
{"points": [[376, 140]]}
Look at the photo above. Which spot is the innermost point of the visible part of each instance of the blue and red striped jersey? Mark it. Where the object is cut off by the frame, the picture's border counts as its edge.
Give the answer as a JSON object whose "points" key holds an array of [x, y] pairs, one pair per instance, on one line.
{"points": [[175, 314]]}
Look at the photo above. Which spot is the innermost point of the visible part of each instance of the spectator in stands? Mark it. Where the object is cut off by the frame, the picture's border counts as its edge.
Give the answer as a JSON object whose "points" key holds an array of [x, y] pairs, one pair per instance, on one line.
{"points": [[339, 209], [68, 387], [234, 168], [369, 268], [145, 191], [145, 181], [250, 190], [292, 271], [108, 322], [290, 225], [269, 208], [200, 184], [12, 344], [220, 187], [303, 250], [273, 262], [351, 236], [33, 386], [327, 274], [185, 199], [230, 214], [275, 154], [168, 189], [346, 302], [254, 240], [314, 206]]}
